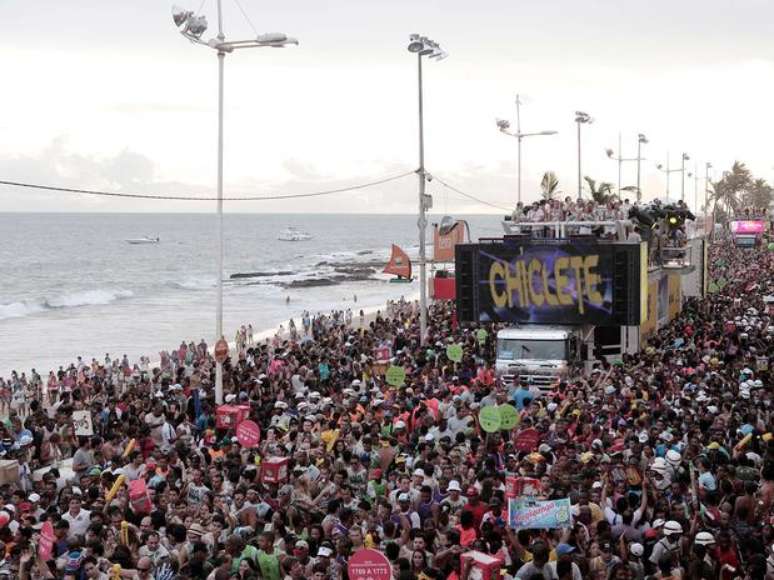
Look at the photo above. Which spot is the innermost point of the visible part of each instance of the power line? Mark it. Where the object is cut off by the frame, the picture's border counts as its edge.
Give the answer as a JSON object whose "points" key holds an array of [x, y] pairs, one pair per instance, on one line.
{"points": [[474, 198], [250, 22], [192, 198]]}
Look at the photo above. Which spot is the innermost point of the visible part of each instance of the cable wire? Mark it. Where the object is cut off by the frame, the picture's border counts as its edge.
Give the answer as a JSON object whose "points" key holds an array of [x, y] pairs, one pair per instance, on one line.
{"points": [[250, 22], [474, 198], [192, 198]]}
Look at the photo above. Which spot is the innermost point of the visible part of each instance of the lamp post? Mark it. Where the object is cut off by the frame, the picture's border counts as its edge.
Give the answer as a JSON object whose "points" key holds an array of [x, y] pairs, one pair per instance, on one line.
{"points": [[683, 158], [192, 27], [707, 167], [423, 46], [504, 127], [641, 140], [581, 118], [668, 173], [621, 160]]}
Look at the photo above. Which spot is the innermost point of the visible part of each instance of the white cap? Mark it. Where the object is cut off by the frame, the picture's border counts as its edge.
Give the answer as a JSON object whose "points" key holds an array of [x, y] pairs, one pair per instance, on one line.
{"points": [[280, 405], [230, 398], [34, 497], [672, 527], [636, 549], [454, 485], [673, 457], [657, 523], [419, 472], [404, 497], [704, 539], [400, 425], [324, 551], [643, 437]]}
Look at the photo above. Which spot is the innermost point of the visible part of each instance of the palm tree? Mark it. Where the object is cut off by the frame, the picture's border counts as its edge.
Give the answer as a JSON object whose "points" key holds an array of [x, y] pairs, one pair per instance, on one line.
{"points": [[759, 195], [549, 185], [602, 193], [723, 196]]}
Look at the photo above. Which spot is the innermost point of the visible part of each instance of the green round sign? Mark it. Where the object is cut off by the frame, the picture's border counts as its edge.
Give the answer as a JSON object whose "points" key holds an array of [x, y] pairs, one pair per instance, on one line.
{"points": [[482, 335], [489, 418], [454, 352], [395, 376], [509, 417]]}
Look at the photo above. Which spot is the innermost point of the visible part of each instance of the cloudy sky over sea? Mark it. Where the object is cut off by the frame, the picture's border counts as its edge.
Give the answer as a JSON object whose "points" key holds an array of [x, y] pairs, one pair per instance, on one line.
{"points": [[108, 95]]}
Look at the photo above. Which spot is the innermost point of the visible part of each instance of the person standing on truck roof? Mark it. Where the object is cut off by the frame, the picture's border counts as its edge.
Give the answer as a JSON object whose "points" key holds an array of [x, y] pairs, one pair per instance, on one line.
{"points": [[523, 397]]}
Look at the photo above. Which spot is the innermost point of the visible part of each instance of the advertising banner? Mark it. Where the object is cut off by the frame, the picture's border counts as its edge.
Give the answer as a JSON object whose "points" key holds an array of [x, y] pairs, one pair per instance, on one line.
{"points": [[525, 513], [443, 244], [748, 227], [547, 284]]}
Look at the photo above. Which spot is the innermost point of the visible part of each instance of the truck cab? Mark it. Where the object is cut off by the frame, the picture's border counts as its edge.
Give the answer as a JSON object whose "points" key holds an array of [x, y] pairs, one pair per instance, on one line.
{"points": [[539, 354]]}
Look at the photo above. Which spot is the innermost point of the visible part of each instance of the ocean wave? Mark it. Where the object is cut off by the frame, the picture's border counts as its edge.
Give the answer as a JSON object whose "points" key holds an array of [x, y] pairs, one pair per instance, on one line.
{"points": [[97, 297], [193, 284]]}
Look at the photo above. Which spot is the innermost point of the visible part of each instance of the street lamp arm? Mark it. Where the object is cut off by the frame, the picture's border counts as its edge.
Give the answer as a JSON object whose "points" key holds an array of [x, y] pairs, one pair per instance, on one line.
{"points": [[538, 133]]}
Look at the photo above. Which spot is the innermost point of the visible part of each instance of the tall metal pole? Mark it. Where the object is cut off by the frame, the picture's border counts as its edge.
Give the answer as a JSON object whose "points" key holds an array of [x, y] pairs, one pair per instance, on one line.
{"points": [[682, 177], [696, 186], [580, 183], [706, 186], [422, 223], [668, 175], [639, 160], [518, 133], [219, 310], [620, 163]]}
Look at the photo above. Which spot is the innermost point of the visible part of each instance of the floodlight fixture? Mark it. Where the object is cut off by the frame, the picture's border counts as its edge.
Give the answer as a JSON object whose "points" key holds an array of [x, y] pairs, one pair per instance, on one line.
{"points": [[180, 15]]}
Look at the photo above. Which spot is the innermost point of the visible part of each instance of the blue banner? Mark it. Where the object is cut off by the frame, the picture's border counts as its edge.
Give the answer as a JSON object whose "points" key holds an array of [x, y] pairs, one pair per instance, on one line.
{"points": [[526, 513]]}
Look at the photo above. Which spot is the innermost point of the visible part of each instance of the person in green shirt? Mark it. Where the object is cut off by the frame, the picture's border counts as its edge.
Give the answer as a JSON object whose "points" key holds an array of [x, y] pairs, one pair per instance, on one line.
{"points": [[238, 551], [268, 560]]}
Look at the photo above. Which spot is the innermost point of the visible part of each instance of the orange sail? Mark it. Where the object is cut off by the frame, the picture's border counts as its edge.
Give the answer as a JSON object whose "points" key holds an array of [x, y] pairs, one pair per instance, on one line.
{"points": [[399, 263]]}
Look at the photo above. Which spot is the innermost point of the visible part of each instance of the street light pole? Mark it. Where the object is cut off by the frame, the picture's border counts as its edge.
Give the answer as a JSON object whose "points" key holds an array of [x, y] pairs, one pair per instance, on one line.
{"points": [[620, 159], [504, 125], [581, 118], [684, 157], [518, 132], [423, 46], [707, 168], [422, 223], [668, 173], [192, 27], [641, 139]]}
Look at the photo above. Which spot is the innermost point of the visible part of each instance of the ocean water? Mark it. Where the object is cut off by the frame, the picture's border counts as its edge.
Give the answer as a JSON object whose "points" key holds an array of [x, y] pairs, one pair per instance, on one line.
{"points": [[70, 285]]}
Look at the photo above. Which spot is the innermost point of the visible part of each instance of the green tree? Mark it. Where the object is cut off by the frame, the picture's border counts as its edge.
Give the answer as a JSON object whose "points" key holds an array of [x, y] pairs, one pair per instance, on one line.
{"points": [[759, 195], [549, 185], [600, 193]]}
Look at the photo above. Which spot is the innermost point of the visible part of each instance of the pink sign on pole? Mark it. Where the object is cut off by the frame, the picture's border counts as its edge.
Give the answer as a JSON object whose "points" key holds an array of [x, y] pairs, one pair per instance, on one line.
{"points": [[368, 564], [248, 434]]}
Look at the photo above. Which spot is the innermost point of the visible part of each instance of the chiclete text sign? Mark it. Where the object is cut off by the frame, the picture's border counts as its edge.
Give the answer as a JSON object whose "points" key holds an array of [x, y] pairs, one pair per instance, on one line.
{"points": [[366, 564], [571, 283], [525, 513], [544, 281]]}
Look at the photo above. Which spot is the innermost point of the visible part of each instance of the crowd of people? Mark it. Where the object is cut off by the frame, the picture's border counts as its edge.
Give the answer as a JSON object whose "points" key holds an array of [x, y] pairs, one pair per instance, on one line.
{"points": [[666, 455]]}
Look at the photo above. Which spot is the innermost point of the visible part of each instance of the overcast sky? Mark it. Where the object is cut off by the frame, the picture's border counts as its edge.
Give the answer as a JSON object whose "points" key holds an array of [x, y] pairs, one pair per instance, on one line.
{"points": [[109, 95]]}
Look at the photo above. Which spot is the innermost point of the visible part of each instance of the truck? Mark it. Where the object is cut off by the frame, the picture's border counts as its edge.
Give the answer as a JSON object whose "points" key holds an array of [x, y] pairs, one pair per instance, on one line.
{"points": [[561, 300], [540, 354]]}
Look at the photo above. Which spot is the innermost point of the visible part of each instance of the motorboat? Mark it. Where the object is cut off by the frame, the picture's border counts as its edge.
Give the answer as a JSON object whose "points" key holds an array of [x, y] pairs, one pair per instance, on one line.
{"points": [[292, 234], [143, 240]]}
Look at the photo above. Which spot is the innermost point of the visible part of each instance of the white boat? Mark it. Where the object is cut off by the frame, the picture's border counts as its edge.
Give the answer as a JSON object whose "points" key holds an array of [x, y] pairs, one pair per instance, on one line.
{"points": [[291, 234], [144, 240]]}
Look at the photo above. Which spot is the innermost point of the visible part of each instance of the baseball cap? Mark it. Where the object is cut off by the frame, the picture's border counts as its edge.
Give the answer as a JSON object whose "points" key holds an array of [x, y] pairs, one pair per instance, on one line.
{"points": [[302, 544], [563, 549], [324, 551], [404, 497], [34, 497], [636, 549]]}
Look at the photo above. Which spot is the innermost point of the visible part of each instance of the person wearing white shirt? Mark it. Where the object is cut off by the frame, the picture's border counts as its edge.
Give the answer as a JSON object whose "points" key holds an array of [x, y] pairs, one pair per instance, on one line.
{"points": [[79, 519]]}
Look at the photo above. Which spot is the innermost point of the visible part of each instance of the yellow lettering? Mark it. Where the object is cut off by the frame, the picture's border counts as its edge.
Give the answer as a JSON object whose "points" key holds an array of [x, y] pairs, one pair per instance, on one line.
{"points": [[497, 270], [592, 279], [523, 283], [534, 268], [576, 263], [562, 281], [550, 298]]}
